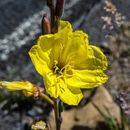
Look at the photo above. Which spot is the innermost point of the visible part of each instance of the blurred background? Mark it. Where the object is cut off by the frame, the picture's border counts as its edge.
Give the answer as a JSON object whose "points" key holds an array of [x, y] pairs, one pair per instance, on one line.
{"points": [[20, 27]]}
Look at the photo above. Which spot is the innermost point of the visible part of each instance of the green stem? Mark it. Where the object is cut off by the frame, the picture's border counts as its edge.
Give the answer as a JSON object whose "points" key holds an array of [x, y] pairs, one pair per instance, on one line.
{"points": [[57, 22], [46, 98], [57, 118]]}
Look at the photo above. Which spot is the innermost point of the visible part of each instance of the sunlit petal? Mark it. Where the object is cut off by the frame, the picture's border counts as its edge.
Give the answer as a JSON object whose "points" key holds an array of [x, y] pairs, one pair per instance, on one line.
{"points": [[87, 78]]}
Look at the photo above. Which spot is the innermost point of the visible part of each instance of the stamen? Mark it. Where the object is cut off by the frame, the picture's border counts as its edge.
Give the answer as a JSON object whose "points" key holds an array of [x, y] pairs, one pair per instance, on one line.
{"points": [[62, 72], [55, 66], [64, 69]]}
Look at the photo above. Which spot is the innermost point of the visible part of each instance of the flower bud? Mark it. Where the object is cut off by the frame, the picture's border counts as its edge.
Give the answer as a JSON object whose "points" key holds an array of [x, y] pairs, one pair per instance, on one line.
{"points": [[45, 25], [59, 8]]}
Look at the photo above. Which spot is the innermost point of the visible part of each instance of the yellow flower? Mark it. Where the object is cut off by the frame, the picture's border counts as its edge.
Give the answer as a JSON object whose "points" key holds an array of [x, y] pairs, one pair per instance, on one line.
{"points": [[27, 87], [67, 63]]}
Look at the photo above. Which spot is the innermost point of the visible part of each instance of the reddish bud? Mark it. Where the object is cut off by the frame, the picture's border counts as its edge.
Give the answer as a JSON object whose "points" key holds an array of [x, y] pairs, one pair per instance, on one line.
{"points": [[45, 25], [59, 8]]}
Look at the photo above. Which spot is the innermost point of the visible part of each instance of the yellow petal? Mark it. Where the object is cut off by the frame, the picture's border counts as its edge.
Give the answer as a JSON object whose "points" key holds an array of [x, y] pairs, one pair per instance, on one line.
{"points": [[46, 42], [69, 95], [95, 60], [53, 44], [17, 85], [56, 87], [51, 86], [40, 59], [56, 53], [65, 27], [65, 30], [75, 49], [87, 78]]}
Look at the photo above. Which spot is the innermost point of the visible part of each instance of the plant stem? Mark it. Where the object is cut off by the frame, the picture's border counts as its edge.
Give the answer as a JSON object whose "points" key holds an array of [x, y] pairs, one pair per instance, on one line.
{"points": [[57, 22], [50, 4], [47, 98], [57, 118]]}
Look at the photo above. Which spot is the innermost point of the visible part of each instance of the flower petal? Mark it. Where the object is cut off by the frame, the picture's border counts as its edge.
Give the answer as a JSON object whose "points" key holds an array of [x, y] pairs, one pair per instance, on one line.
{"points": [[69, 95], [65, 27], [56, 52], [87, 78], [17, 85], [52, 44], [56, 87], [51, 86], [40, 59], [95, 60], [47, 42], [75, 49]]}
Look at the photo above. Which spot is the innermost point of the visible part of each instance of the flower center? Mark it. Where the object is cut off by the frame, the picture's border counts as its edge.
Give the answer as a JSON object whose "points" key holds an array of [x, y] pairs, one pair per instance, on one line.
{"points": [[60, 69], [57, 69]]}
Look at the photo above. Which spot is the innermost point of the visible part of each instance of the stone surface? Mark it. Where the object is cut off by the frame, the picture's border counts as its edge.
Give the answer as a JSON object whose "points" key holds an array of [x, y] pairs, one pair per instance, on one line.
{"points": [[87, 116]]}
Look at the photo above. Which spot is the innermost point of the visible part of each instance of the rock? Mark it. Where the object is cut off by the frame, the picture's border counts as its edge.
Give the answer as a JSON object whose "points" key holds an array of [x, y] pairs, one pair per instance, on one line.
{"points": [[14, 13], [9, 121], [88, 116]]}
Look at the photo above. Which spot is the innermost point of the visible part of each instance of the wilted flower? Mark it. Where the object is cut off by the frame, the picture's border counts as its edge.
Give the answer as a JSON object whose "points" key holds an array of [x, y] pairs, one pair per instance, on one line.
{"points": [[67, 63], [28, 88]]}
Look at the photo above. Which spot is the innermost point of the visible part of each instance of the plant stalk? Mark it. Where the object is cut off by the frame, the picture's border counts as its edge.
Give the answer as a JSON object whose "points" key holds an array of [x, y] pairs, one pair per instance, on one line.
{"points": [[57, 117], [47, 98], [50, 4]]}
